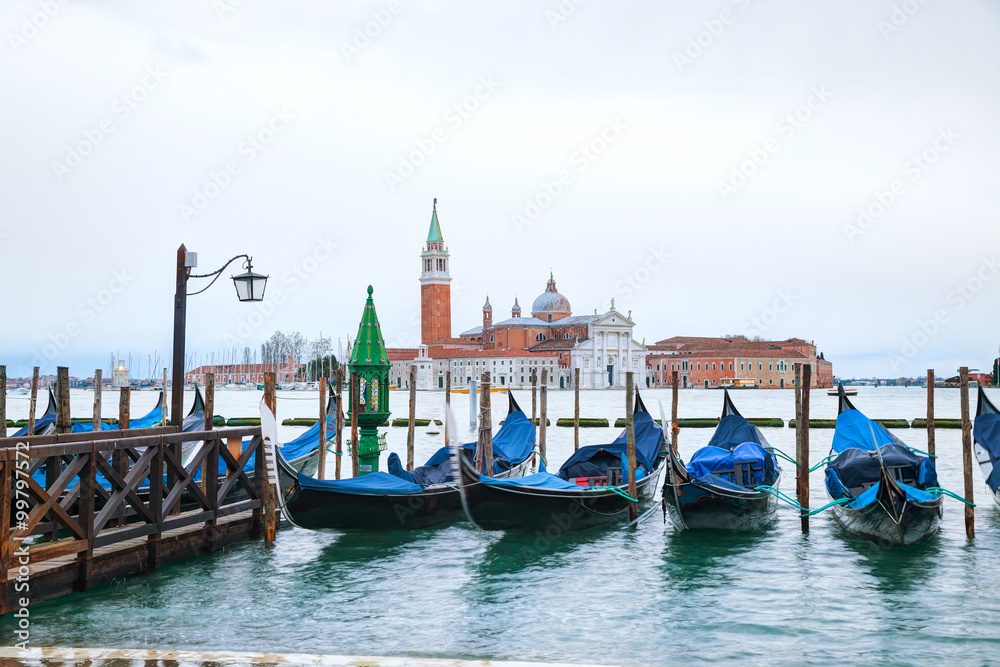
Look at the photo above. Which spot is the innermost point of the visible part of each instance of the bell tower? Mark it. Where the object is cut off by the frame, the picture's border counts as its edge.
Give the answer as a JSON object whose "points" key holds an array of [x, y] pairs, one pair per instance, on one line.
{"points": [[435, 287]]}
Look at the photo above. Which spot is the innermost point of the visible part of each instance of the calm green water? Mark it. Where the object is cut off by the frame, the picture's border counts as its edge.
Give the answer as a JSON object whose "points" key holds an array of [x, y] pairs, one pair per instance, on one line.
{"points": [[652, 596]]}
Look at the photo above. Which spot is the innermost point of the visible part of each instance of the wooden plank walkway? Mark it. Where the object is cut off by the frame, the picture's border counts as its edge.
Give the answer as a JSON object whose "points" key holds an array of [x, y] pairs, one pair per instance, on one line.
{"points": [[99, 656]]}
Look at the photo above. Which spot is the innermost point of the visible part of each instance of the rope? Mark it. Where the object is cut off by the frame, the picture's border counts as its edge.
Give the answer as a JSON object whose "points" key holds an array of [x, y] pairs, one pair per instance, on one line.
{"points": [[645, 515], [823, 462], [920, 451], [950, 494], [620, 493], [794, 503], [775, 450]]}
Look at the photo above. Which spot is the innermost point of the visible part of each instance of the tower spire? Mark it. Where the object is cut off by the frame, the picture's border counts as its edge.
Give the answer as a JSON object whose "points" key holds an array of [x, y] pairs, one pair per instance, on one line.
{"points": [[434, 233]]}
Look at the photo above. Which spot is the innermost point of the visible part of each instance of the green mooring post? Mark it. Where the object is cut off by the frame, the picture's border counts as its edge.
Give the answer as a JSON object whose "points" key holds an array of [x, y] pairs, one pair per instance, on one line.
{"points": [[371, 363]]}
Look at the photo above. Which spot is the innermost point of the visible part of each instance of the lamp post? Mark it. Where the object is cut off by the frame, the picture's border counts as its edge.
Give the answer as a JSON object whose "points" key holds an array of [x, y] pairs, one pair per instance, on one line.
{"points": [[249, 287]]}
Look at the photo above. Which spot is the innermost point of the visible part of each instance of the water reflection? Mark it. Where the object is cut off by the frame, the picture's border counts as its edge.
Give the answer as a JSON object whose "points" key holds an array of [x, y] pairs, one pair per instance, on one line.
{"points": [[696, 558]]}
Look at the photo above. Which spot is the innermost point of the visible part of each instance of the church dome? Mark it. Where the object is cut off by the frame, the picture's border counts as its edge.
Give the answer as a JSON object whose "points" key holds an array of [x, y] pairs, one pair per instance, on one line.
{"points": [[550, 302]]}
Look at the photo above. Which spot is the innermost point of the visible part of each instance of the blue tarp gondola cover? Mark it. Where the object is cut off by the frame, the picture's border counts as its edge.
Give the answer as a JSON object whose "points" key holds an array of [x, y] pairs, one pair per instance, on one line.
{"points": [[375, 484], [987, 433]]}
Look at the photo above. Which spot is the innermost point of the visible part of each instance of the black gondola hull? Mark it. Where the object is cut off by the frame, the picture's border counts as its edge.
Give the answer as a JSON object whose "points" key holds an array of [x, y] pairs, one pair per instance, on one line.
{"points": [[702, 508], [546, 510], [892, 520], [324, 510]]}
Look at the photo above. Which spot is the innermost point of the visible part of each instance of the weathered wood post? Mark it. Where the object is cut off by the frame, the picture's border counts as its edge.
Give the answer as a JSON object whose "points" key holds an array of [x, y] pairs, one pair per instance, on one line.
{"points": [[6, 496], [675, 428], [931, 435], [576, 409], [3, 410], [34, 401], [98, 386], [64, 420], [355, 406], [484, 443], [322, 428], [970, 517], [270, 518], [119, 459], [543, 416], [802, 483], [88, 482], [633, 491], [209, 423], [798, 427], [340, 418], [163, 407], [447, 405], [413, 417], [534, 395]]}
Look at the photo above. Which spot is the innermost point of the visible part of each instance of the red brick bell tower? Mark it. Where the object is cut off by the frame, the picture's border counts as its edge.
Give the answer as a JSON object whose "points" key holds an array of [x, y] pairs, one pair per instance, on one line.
{"points": [[435, 287]]}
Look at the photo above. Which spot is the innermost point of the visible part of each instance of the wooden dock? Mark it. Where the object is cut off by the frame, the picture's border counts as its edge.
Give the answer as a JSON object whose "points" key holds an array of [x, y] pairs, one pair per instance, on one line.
{"points": [[102, 513]]}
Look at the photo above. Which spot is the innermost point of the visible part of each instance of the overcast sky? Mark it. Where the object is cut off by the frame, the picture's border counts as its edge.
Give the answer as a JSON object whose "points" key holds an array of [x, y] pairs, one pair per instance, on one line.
{"points": [[704, 163]]}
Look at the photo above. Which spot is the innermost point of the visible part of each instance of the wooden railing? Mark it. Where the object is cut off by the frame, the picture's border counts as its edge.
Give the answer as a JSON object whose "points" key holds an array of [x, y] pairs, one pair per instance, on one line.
{"points": [[146, 491]]}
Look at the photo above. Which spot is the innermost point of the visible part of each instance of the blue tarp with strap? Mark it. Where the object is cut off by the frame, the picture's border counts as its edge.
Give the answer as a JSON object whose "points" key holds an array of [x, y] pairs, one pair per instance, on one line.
{"points": [[711, 460], [376, 484], [540, 480], [308, 441], [913, 494], [986, 431], [516, 438], [734, 430], [854, 430]]}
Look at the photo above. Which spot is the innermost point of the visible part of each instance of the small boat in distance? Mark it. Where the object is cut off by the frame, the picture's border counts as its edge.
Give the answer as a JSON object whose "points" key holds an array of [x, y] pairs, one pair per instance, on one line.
{"points": [[848, 391], [889, 493], [493, 390], [986, 433], [717, 488]]}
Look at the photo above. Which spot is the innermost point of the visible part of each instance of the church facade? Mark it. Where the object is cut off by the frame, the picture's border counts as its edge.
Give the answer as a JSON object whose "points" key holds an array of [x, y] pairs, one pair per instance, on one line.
{"points": [[552, 339]]}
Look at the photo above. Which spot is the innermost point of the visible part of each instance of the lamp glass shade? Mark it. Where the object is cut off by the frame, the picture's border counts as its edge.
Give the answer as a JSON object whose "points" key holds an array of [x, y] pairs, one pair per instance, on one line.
{"points": [[250, 286]]}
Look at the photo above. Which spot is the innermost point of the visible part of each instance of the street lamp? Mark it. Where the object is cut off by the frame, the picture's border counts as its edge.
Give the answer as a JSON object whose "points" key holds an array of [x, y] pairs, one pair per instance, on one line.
{"points": [[249, 287]]}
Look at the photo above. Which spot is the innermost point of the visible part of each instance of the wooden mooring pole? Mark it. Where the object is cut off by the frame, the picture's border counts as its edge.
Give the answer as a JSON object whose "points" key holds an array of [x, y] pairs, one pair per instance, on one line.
{"points": [[534, 395], [163, 408], [633, 507], [209, 422], [798, 431], [34, 401], [576, 409], [322, 428], [802, 484], [931, 435], [64, 420], [119, 459], [413, 417], [270, 518], [355, 405], [675, 429], [447, 405], [970, 517], [543, 415], [98, 386], [484, 443], [340, 418]]}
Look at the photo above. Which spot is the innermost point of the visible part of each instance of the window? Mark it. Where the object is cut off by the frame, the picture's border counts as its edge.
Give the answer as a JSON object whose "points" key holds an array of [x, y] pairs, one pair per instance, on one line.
{"points": [[741, 365], [540, 336], [760, 365], [770, 367], [713, 365], [699, 365], [566, 336], [492, 336]]}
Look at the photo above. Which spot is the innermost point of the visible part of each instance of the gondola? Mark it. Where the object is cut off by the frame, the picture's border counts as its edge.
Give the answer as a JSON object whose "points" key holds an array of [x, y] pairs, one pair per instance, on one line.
{"points": [[590, 489], [986, 433], [45, 424], [151, 418], [397, 499], [717, 489], [883, 481]]}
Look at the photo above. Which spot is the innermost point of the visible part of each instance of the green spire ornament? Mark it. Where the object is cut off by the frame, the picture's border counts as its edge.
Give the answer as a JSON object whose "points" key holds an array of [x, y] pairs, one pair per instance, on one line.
{"points": [[370, 362]]}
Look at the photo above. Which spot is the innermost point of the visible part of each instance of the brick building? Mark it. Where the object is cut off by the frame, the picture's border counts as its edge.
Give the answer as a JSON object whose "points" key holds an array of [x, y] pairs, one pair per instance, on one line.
{"points": [[716, 362]]}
